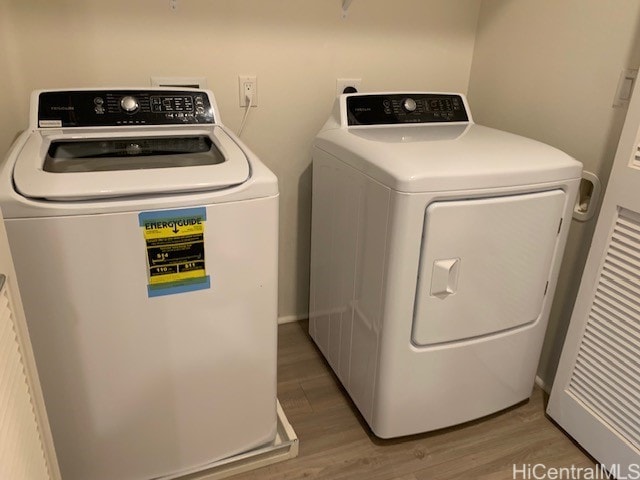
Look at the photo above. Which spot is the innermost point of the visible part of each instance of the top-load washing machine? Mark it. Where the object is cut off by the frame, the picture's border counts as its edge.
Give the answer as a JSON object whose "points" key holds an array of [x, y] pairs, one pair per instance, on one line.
{"points": [[436, 245], [144, 235]]}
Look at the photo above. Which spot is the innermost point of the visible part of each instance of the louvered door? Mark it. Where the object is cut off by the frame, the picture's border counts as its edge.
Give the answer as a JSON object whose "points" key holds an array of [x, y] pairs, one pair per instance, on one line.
{"points": [[26, 451], [596, 393]]}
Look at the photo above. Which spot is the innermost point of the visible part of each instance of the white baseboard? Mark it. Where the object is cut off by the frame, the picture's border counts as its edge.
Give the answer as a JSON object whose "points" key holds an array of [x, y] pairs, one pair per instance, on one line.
{"points": [[543, 385], [291, 318]]}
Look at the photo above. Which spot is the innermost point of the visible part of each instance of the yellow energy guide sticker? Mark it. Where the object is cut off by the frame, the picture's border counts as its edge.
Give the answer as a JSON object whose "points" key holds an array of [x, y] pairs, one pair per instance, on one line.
{"points": [[175, 250]]}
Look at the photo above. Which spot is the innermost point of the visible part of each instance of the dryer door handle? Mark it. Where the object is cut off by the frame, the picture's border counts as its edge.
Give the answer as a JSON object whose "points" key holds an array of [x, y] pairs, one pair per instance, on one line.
{"points": [[444, 279]]}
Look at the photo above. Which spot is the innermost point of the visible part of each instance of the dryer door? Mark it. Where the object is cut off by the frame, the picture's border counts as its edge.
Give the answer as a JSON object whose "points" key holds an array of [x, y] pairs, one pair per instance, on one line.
{"points": [[485, 265]]}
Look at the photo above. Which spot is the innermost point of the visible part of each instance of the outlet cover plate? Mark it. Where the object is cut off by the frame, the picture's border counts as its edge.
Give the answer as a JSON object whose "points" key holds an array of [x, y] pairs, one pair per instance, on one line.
{"points": [[248, 81]]}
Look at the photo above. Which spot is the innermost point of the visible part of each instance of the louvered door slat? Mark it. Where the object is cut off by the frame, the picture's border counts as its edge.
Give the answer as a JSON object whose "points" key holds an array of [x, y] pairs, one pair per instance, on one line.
{"points": [[604, 352], [21, 453], [624, 250], [630, 342], [625, 239], [593, 357], [622, 301], [619, 322], [622, 279], [629, 227], [6, 330], [620, 258], [605, 408], [612, 312], [605, 299], [615, 407], [608, 378], [613, 344], [626, 420], [602, 408], [626, 298], [606, 375]]}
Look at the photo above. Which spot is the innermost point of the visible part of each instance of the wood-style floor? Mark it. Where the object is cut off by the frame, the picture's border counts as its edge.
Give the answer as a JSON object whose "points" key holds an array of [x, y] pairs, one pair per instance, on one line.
{"points": [[336, 443]]}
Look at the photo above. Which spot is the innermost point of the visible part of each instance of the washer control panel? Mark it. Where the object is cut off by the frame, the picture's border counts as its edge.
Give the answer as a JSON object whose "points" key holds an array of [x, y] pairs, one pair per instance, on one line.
{"points": [[102, 108], [391, 109]]}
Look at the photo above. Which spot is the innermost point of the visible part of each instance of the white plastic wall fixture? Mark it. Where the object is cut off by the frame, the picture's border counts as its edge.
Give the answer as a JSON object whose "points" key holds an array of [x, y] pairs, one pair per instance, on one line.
{"points": [[586, 206]]}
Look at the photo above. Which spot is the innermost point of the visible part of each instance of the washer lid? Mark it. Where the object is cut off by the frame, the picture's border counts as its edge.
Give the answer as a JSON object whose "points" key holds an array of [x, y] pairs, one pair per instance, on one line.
{"points": [[119, 163]]}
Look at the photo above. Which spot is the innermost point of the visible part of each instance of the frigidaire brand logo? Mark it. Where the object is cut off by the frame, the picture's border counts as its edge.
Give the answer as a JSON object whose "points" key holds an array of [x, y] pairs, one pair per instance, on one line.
{"points": [[63, 108]]}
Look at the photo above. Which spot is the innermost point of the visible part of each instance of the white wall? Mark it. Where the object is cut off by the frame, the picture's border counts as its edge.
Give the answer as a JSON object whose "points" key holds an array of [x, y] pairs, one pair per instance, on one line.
{"points": [[297, 49], [11, 118], [549, 69]]}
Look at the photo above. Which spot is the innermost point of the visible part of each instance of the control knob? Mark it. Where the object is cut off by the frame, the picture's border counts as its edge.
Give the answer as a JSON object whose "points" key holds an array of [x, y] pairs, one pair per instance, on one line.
{"points": [[129, 104], [409, 104]]}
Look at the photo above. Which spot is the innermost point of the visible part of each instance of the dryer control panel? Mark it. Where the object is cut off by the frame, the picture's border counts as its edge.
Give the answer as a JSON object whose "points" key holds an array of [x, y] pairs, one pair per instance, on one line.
{"points": [[105, 108], [403, 108]]}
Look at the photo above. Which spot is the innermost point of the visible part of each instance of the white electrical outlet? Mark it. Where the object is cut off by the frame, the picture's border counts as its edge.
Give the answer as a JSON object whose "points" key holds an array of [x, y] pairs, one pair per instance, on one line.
{"points": [[343, 83], [248, 84]]}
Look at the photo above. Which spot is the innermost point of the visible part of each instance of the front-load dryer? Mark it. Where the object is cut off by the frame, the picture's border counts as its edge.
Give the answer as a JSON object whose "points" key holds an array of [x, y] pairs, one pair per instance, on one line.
{"points": [[144, 235], [435, 251]]}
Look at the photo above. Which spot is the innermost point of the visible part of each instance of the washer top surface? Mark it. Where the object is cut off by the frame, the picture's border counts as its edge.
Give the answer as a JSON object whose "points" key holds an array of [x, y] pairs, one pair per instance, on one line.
{"points": [[97, 164], [426, 142], [91, 144]]}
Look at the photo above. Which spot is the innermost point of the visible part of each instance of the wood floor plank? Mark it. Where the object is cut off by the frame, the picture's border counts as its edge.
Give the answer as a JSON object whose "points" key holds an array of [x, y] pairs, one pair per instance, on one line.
{"points": [[324, 393], [337, 444], [293, 399]]}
